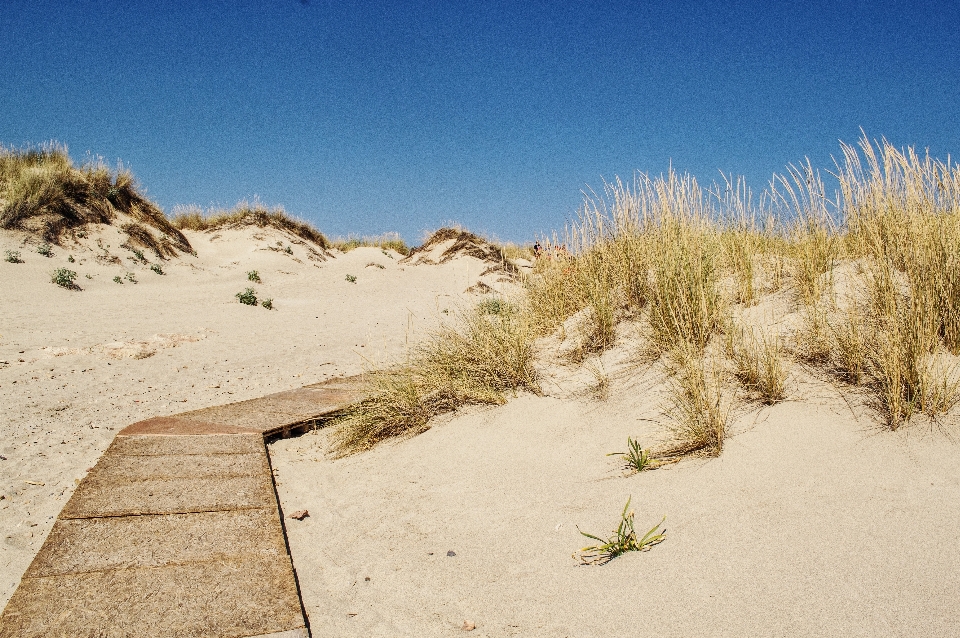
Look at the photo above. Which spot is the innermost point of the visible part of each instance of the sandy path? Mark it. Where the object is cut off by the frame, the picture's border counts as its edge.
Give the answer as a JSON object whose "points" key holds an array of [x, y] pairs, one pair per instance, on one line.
{"points": [[80, 379], [810, 524]]}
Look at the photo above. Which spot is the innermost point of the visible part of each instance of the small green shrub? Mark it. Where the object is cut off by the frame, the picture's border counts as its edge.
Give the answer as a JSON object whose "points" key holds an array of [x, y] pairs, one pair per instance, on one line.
{"points": [[64, 278], [288, 250], [71, 259], [131, 278], [494, 306], [376, 265], [12, 256], [635, 458], [157, 269], [267, 303], [624, 539], [45, 249], [88, 276], [248, 297], [387, 254], [117, 279], [138, 256], [351, 279], [253, 275]]}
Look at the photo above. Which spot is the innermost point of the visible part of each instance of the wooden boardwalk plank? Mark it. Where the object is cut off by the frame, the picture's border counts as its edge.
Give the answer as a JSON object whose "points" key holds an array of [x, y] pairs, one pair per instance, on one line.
{"points": [[176, 532]]}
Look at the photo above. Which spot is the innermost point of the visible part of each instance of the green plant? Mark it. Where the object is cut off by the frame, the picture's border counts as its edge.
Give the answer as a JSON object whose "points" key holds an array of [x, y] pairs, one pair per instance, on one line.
{"points": [[386, 254], [71, 259], [624, 539], [138, 256], [494, 306], [88, 276], [253, 275], [635, 458], [130, 277], [248, 297], [12, 256], [352, 279], [288, 250], [157, 269], [118, 280], [375, 265], [267, 303], [64, 278], [45, 249]]}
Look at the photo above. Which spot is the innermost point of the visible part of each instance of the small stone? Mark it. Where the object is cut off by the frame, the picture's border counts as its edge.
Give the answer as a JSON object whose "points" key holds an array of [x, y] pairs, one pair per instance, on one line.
{"points": [[300, 515], [367, 579], [468, 626], [451, 553]]}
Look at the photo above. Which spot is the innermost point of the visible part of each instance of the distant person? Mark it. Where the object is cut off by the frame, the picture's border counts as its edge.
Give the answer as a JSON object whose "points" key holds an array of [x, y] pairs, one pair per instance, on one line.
{"points": [[537, 249]]}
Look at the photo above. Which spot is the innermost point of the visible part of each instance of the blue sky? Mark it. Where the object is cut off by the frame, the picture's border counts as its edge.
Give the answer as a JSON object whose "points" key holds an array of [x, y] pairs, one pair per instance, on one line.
{"points": [[367, 117]]}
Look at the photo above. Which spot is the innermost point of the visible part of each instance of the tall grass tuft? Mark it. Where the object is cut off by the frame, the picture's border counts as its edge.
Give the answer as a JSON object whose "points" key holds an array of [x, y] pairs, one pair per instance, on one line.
{"points": [[41, 191], [478, 359], [758, 363], [699, 417], [386, 241], [247, 214]]}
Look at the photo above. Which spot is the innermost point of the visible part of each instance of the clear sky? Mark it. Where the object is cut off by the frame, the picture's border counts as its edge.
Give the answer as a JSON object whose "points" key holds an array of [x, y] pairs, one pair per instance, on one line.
{"points": [[366, 117]]}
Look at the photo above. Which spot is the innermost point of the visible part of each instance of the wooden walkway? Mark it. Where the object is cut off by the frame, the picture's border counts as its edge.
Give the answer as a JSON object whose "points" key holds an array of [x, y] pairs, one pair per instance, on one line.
{"points": [[177, 531]]}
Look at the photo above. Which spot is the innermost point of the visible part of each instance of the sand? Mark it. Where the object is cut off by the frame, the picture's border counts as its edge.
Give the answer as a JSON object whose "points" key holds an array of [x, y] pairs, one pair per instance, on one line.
{"points": [[77, 366], [813, 521]]}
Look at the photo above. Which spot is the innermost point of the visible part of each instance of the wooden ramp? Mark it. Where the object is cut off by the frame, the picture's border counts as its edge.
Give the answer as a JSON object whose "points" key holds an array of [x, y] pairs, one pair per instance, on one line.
{"points": [[177, 531]]}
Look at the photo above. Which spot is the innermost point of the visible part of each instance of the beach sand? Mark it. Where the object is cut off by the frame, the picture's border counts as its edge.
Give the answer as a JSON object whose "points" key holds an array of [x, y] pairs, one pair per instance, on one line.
{"points": [[80, 365], [813, 522]]}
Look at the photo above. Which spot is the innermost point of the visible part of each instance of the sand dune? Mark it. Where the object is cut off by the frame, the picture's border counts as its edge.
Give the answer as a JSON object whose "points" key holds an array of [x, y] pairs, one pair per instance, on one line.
{"points": [[79, 365], [813, 522]]}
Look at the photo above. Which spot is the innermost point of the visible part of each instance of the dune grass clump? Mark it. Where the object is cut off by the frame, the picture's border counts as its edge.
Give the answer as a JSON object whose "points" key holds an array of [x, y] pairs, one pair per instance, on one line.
{"points": [[695, 405], [624, 539], [758, 363], [12, 256], [891, 336], [385, 242], [665, 253], [42, 192], [247, 214], [479, 358]]}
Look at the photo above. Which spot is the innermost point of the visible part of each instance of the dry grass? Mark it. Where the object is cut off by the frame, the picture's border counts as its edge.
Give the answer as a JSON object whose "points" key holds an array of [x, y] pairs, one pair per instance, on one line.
{"points": [[758, 363], [478, 359], [386, 241], [677, 256], [247, 214], [42, 192], [696, 406], [677, 259]]}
